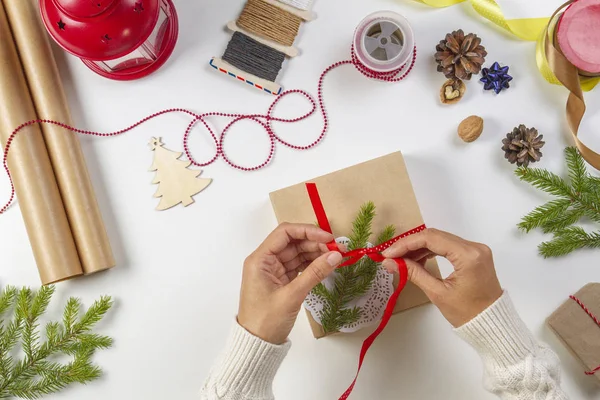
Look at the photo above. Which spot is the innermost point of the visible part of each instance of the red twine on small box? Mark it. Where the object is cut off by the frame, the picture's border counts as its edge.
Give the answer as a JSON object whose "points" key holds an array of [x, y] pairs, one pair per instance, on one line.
{"points": [[264, 120], [374, 253], [595, 319]]}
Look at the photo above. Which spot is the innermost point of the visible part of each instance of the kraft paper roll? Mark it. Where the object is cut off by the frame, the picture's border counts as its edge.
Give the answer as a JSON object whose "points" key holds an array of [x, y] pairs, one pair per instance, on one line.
{"points": [[63, 145], [37, 191]]}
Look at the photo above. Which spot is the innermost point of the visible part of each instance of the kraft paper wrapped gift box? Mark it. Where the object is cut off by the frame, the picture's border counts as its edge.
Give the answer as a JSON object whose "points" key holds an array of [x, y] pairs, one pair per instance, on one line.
{"points": [[578, 330], [385, 182]]}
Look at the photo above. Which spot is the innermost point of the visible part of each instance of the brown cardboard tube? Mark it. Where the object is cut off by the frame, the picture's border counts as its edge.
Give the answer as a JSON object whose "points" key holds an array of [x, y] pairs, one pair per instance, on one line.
{"points": [[63, 145], [37, 191]]}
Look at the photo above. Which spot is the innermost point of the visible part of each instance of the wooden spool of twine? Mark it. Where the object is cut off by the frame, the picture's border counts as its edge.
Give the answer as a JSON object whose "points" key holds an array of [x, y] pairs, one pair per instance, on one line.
{"points": [[270, 21], [247, 54]]}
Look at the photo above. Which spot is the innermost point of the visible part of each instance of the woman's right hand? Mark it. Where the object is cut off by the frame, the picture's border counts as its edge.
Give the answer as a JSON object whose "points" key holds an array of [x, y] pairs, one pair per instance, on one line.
{"points": [[464, 294]]}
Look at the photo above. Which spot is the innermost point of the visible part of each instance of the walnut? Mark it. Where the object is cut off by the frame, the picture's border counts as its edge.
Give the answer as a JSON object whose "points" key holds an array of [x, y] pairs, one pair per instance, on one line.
{"points": [[470, 128], [452, 91]]}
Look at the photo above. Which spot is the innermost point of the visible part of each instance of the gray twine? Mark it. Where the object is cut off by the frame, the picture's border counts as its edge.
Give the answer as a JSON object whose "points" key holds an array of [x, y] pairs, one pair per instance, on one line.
{"points": [[247, 54]]}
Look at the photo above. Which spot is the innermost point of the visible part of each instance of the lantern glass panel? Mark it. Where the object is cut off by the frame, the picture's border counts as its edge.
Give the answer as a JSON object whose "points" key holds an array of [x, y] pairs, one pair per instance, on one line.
{"points": [[156, 40], [136, 58], [148, 52]]}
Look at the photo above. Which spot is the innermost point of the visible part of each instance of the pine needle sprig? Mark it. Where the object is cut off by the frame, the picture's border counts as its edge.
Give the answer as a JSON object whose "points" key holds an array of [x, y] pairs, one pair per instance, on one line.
{"points": [[544, 214], [577, 170], [361, 227], [353, 281], [578, 198], [386, 234], [568, 240], [33, 375]]}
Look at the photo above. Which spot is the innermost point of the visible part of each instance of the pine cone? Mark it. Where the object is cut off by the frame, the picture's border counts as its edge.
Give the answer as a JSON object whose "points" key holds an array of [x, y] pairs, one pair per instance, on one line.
{"points": [[523, 145], [460, 56]]}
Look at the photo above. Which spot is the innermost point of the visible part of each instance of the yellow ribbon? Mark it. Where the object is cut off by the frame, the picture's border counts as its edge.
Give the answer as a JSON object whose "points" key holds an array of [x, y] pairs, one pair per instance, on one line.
{"points": [[531, 29], [524, 28]]}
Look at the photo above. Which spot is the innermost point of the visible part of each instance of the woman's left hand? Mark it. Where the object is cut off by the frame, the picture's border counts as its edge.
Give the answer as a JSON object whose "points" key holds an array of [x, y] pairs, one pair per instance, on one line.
{"points": [[278, 276]]}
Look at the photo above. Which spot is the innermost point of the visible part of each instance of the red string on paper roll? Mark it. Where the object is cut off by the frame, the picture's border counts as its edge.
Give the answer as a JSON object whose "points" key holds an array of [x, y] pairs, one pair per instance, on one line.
{"points": [[374, 253], [595, 319], [265, 121]]}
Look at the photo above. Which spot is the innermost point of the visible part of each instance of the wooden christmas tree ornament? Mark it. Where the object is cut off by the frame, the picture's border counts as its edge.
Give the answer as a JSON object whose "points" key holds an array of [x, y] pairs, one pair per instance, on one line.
{"points": [[177, 183]]}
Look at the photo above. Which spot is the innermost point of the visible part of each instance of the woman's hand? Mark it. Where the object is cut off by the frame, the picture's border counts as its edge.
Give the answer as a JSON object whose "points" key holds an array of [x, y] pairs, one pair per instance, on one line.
{"points": [[273, 288], [469, 290]]}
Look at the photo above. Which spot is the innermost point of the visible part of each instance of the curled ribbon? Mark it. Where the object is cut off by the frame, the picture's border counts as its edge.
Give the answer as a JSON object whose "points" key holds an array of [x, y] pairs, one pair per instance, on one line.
{"points": [[351, 257], [553, 65]]}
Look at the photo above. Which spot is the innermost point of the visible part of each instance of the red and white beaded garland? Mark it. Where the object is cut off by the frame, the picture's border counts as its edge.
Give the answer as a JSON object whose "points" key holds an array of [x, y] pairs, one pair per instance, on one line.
{"points": [[265, 121]]}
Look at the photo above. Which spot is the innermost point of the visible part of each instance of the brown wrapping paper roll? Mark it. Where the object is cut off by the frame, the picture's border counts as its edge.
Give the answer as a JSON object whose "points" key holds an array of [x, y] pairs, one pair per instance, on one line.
{"points": [[37, 191], [63, 146]]}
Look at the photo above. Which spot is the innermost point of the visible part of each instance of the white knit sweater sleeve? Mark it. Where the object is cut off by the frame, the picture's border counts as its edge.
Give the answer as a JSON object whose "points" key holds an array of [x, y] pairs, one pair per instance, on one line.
{"points": [[246, 369], [516, 366]]}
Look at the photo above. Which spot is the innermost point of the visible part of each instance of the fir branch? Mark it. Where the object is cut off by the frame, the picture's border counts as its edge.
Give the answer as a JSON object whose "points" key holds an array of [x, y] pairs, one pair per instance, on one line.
{"points": [[577, 170], [94, 314], [592, 185], [348, 316], [545, 180], [353, 281], [96, 341], [7, 298], [70, 314], [12, 334], [590, 203], [579, 198], [361, 227], [564, 220], [388, 233], [38, 305], [321, 291], [33, 376], [544, 214], [40, 301], [365, 271], [569, 240]]}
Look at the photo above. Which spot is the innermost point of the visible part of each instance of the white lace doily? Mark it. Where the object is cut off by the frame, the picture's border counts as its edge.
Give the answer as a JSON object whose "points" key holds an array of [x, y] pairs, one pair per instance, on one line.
{"points": [[372, 303]]}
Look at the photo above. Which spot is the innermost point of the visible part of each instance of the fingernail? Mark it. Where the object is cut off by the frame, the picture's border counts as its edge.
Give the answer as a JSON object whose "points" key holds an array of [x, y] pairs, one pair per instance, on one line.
{"points": [[386, 252], [390, 265], [334, 258]]}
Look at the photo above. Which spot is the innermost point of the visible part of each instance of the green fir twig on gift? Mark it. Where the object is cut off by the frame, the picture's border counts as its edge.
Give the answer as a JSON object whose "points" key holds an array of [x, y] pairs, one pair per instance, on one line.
{"points": [[577, 199], [353, 281], [37, 372]]}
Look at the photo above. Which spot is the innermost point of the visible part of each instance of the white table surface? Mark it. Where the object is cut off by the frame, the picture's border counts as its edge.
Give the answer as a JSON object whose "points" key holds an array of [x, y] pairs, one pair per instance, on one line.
{"points": [[178, 275]]}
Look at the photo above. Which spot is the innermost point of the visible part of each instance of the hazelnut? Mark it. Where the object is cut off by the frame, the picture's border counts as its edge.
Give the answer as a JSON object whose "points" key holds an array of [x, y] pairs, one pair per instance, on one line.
{"points": [[470, 128], [452, 91]]}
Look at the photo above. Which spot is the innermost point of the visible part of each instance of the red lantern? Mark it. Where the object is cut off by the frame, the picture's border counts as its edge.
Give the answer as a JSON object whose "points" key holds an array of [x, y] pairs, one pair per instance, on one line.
{"points": [[118, 39]]}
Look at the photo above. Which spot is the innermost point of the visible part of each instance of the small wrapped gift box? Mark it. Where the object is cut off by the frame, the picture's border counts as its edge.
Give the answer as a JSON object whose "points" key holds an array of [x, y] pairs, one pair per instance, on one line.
{"points": [[577, 325], [383, 181]]}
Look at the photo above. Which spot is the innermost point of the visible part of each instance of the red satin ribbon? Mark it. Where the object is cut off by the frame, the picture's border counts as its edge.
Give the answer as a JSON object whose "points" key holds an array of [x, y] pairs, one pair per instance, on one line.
{"points": [[374, 253]]}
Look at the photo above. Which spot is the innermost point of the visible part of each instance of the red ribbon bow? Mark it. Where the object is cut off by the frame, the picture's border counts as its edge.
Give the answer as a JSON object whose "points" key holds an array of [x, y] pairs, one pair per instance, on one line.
{"points": [[374, 253]]}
